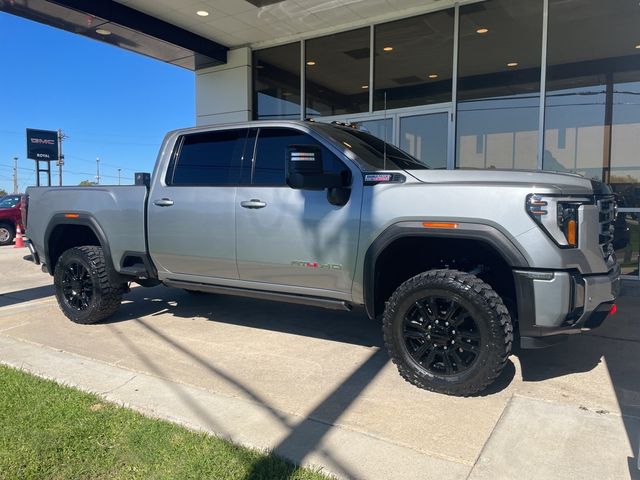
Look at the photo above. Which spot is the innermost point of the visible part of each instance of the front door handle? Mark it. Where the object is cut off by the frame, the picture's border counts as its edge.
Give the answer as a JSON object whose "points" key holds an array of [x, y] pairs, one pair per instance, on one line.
{"points": [[163, 202], [253, 203]]}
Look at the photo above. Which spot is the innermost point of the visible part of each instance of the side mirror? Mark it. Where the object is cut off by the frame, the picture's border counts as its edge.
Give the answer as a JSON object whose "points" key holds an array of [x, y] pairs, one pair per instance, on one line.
{"points": [[305, 169]]}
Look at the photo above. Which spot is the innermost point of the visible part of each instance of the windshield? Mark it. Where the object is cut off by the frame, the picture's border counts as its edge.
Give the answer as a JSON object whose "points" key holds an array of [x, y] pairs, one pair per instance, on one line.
{"points": [[9, 201], [370, 150]]}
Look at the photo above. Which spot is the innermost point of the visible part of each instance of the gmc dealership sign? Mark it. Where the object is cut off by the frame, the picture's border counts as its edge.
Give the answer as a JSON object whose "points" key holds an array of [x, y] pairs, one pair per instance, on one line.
{"points": [[42, 145]]}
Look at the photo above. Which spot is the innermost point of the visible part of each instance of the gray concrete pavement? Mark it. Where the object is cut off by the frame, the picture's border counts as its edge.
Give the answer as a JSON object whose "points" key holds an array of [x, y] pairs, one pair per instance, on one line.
{"points": [[323, 381]]}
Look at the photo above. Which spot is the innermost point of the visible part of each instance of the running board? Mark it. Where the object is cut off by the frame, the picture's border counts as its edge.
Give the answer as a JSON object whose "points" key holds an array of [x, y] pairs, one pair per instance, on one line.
{"points": [[262, 295]]}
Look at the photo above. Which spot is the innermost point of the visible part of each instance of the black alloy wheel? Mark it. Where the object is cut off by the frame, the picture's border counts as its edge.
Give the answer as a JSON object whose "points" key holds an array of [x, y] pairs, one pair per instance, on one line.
{"points": [[441, 335], [77, 286]]}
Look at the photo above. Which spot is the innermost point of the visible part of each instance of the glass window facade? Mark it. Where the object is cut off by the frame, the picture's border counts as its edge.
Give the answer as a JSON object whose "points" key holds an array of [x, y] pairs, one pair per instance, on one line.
{"points": [[590, 122], [498, 95], [414, 61], [276, 82], [337, 73], [426, 138], [592, 110]]}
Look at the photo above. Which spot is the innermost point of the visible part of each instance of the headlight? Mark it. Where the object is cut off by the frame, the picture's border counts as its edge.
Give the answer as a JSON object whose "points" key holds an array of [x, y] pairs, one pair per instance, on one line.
{"points": [[558, 216]]}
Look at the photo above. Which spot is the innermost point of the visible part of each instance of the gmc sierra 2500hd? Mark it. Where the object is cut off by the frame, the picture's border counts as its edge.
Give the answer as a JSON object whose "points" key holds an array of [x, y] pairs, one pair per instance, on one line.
{"points": [[330, 216]]}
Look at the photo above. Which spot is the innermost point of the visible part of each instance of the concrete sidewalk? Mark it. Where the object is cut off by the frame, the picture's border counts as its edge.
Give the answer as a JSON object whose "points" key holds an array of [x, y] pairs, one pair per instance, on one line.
{"points": [[317, 386]]}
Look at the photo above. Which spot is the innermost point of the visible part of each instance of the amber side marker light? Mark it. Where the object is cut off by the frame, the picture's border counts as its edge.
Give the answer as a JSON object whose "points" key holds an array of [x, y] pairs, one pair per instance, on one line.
{"points": [[572, 233], [439, 225], [71, 215]]}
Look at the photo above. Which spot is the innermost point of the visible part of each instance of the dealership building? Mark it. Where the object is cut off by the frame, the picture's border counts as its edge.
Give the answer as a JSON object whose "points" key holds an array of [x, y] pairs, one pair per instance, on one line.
{"points": [[515, 84]]}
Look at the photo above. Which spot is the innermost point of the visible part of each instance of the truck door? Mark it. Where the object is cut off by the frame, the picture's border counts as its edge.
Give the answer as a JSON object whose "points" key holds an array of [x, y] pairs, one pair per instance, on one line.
{"points": [[192, 209], [294, 237]]}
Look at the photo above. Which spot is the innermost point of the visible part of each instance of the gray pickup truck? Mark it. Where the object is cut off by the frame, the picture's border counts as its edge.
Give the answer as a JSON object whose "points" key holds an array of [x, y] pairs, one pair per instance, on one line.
{"points": [[331, 216]]}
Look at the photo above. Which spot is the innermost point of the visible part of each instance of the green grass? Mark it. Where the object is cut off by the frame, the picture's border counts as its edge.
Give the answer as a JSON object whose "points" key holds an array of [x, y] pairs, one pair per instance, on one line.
{"points": [[55, 432]]}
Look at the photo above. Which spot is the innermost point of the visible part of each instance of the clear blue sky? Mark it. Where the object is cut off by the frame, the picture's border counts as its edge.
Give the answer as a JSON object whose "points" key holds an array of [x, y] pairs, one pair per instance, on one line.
{"points": [[112, 103]]}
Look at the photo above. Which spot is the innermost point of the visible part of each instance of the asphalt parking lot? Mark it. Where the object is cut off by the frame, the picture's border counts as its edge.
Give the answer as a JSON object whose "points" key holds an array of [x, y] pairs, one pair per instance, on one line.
{"points": [[323, 390]]}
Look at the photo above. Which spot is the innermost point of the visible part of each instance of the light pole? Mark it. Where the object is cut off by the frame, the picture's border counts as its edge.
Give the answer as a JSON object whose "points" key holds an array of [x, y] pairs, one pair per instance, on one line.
{"points": [[60, 162], [15, 174], [97, 170], [119, 170]]}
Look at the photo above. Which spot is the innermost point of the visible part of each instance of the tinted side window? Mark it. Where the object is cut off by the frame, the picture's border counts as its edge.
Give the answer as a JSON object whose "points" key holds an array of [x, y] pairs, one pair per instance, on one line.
{"points": [[209, 158], [269, 168]]}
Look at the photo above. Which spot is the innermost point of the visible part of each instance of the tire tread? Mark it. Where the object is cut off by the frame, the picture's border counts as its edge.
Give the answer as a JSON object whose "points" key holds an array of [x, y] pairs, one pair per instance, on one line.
{"points": [[466, 281], [109, 295]]}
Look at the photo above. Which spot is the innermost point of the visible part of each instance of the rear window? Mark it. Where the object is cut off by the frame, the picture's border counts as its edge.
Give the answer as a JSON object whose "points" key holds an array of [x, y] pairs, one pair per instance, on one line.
{"points": [[208, 158]]}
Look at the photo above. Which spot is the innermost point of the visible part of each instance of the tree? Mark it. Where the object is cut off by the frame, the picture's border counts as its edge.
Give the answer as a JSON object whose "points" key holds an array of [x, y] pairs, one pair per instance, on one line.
{"points": [[87, 183], [3, 192]]}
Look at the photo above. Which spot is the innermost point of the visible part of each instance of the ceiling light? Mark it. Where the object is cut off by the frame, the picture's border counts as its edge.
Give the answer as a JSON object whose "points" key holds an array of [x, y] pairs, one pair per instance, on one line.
{"points": [[311, 63], [103, 31], [638, 46], [482, 30], [202, 13], [388, 49], [433, 75], [512, 64], [364, 86]]}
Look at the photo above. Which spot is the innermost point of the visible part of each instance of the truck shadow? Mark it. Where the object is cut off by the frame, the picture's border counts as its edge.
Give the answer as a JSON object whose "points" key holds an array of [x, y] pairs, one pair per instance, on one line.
{"points": [[616, 344], [25, 295]]}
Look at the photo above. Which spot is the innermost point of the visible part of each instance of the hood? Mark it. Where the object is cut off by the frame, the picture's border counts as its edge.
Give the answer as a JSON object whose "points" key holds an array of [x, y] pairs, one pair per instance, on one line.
{"points": [[568, 183]]}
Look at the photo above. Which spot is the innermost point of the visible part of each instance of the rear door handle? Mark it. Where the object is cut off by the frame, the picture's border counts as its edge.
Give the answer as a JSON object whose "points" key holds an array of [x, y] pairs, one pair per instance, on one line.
{"points": [[253, 203], [163, 202]]}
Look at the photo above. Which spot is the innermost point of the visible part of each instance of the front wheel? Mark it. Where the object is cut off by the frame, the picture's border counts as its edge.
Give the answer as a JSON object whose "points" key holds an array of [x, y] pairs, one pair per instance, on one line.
{"points": [[448, 332], [83, 288]]}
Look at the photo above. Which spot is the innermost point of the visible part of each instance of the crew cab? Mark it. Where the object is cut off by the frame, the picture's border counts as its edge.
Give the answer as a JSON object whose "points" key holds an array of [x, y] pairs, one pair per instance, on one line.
{"points": [[331, 216]]}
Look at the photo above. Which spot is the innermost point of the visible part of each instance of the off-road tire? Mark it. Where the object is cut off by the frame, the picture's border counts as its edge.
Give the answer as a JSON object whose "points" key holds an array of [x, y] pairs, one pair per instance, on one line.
{"points": [[8, 232], [105, 295], [485, 308]]}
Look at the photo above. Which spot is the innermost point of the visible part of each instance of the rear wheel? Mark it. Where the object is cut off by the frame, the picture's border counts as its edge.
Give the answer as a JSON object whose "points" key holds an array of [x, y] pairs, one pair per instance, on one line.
{"points": [[83, 288], [7, 234], [448, 332]]}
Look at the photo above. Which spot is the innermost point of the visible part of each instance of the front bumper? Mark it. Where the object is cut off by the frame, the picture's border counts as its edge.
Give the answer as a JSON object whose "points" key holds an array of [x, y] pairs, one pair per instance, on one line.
{"points": [[553, 304]]}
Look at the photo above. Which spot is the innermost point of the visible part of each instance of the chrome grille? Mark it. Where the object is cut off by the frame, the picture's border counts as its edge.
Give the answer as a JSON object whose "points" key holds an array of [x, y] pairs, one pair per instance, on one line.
{"points": [[607, 213]]}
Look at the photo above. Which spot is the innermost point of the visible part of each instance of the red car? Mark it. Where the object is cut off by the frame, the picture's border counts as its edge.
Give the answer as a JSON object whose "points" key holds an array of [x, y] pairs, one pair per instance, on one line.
{"points": [[10, 217]]}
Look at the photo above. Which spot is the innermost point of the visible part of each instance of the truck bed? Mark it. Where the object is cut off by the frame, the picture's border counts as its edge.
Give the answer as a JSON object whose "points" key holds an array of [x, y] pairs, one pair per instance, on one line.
{"points": [[118, 210]]}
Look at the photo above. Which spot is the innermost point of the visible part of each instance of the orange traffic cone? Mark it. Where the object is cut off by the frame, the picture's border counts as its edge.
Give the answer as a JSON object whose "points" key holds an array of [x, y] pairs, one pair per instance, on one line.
{"points": [[19, 240]]}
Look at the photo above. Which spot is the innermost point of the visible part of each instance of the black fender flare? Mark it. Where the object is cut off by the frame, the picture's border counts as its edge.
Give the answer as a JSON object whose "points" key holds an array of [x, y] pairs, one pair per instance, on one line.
{"points": [[469, 231], [84, 220]]}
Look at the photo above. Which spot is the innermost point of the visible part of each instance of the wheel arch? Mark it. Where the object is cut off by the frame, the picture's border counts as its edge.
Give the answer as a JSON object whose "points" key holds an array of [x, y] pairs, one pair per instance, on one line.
{"points": [[414, 233], [64, 232]]}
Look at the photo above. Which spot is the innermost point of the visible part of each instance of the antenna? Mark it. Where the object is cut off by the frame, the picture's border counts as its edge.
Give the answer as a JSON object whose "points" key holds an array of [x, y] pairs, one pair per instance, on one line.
{"points": [[384, 133]]}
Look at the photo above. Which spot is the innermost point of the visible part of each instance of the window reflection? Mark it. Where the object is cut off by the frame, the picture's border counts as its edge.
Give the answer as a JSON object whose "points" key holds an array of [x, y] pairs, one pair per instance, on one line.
{"points": [[499, 83], [337, 73], [381, 128], [413, 61], [426, 137], [276, 77], [626, 242], [592, 118]]}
